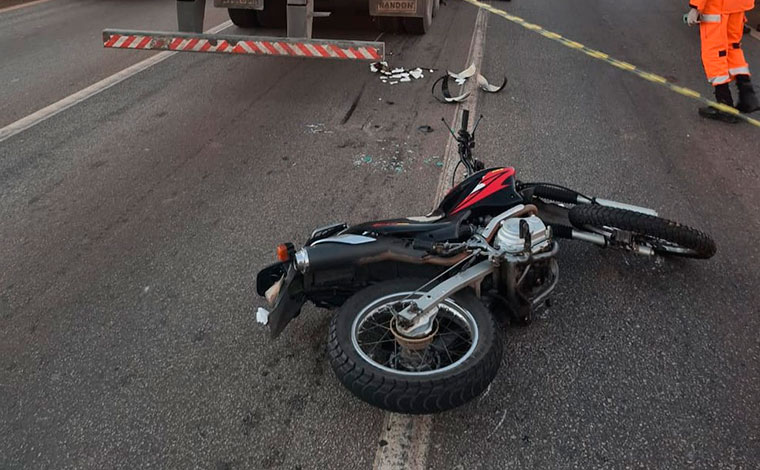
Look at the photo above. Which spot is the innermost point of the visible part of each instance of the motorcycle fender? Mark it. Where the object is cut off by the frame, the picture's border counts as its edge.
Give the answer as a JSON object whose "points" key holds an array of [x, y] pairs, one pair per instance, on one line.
{"points": [[288, 303], [269, 276]]}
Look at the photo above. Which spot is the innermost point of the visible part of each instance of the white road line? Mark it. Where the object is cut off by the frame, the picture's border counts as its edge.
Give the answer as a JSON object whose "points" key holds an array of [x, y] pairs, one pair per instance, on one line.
{"points": [[404, 443], [405, 439], [755, 34], [450, 155], [22, 5], [49, 111]]}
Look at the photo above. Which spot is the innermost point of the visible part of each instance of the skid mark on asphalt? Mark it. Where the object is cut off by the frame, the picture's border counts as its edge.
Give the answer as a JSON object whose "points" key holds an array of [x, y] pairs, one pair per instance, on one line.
{"points": [[622, 65]]}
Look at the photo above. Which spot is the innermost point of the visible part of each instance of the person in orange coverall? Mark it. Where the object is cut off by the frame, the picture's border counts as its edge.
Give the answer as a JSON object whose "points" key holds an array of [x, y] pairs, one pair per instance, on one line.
{"points": [[721, 27]]}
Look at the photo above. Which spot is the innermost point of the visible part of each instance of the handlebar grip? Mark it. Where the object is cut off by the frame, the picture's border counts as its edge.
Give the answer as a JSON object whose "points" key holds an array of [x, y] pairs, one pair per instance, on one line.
{"points": [[465, 119]]}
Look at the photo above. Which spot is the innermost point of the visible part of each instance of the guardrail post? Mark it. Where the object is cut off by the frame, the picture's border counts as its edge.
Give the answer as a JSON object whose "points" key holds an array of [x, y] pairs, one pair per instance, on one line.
{"points": [[190, 15]]}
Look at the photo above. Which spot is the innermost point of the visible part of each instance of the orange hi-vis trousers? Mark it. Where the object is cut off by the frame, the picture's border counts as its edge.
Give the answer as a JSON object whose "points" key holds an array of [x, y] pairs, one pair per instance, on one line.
{"points": [[722, 53], [721, 28]]}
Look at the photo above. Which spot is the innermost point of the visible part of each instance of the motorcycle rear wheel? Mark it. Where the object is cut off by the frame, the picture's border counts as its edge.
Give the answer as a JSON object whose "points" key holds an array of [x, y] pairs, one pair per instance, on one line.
{"points": [[665, 236], [458, 364]]}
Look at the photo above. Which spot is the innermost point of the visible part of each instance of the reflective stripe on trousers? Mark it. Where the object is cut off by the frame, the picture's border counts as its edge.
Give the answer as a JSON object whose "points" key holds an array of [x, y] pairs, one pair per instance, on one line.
{"points": [[719, 80], [709, 18]]}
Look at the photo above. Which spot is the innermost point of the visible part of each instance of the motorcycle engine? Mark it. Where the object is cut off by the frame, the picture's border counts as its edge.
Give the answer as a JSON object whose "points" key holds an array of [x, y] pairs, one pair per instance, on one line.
{"points": [[523, 235], [528, 280]]}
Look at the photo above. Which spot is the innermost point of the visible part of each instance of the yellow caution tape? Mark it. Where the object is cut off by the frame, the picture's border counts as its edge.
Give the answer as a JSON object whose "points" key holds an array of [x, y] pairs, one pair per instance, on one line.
{"points": [[599, 55]]}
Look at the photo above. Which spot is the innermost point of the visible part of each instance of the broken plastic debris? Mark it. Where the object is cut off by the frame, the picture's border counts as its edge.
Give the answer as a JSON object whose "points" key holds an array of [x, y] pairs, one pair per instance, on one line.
{"points": [[375, 67], [425, 129], [416, 73], [446, 94], [466, 73], [397, 75], [485, 86], [318, 128], [262, 316], [460, 81]]}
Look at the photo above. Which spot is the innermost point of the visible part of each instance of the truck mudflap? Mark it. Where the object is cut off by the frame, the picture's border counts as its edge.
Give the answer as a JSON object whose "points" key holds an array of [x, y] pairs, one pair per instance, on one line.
{"points": [[251, 45]]}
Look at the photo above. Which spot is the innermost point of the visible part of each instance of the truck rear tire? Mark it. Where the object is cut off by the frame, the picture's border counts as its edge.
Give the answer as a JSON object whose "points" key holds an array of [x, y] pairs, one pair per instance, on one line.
{"points": [[420, 25], [243, 18], [274, 14]]}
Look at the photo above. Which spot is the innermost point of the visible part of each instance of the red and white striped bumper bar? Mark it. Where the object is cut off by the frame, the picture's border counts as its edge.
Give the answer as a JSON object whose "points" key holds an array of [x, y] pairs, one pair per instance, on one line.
{"points": [[253, 45]]}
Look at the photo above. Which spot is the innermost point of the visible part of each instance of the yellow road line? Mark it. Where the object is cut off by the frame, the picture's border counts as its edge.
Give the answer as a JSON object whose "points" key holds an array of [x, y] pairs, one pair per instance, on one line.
{"points": [[622, 65]]}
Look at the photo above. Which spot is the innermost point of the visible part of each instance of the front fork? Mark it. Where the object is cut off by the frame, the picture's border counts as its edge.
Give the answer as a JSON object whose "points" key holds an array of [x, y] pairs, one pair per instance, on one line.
{"points": [[418, 318], [420, 315]]}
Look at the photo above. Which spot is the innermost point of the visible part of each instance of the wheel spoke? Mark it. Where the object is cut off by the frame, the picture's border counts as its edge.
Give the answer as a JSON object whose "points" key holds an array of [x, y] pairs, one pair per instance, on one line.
{"points": [[452, 342], [377, 325], [446, 350], [370, 353]]}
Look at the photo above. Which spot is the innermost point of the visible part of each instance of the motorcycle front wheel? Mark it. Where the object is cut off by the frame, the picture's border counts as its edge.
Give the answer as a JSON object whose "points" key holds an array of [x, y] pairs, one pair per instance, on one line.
{"points": [[450, 367], [664, 236]]}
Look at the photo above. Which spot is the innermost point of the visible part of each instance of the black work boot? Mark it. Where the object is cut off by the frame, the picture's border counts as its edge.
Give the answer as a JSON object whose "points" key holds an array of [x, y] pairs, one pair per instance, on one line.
{"points": [[747, 98], [722, 96]]}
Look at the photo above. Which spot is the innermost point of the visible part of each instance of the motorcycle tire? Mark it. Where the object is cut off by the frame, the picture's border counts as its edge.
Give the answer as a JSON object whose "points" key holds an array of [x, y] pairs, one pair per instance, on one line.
{"points": [[666, 237], [425, 387]]}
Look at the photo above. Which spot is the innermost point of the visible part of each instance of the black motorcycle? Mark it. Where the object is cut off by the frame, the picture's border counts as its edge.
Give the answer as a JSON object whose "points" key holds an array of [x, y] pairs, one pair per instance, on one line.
{"points": [[418, 298]]}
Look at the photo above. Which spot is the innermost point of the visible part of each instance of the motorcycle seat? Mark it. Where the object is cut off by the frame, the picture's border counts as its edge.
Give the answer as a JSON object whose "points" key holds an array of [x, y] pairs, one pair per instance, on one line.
{"points": [[432, 228]]}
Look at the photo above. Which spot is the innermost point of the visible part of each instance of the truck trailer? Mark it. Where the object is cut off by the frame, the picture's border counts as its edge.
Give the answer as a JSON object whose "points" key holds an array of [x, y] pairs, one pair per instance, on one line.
{"points": [[296, 16]]}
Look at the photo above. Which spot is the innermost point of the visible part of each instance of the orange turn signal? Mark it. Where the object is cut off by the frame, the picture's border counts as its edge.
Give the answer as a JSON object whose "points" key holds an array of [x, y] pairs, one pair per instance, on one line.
{"points": [[282, 252]]}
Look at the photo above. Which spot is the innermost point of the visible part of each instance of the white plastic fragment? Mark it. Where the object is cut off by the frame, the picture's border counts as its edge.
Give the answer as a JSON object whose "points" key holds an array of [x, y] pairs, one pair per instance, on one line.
{"points": [[446, 94], [457, 99], [396, 75], [466, 73], [460, 81], [262, 316], [485, 86], [416, 73]]}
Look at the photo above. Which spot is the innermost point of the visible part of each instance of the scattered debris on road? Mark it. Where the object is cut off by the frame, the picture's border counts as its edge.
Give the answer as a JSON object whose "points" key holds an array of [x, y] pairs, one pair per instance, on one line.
{"points": [[396, 75], [464, 74], [487, 87], [460, 78], [262, 316], [446, 94], [318, 128]]}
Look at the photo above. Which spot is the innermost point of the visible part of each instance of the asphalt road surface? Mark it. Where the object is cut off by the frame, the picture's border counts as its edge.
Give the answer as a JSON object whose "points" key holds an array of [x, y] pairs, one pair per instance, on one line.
{"points": [[133, 223]]}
